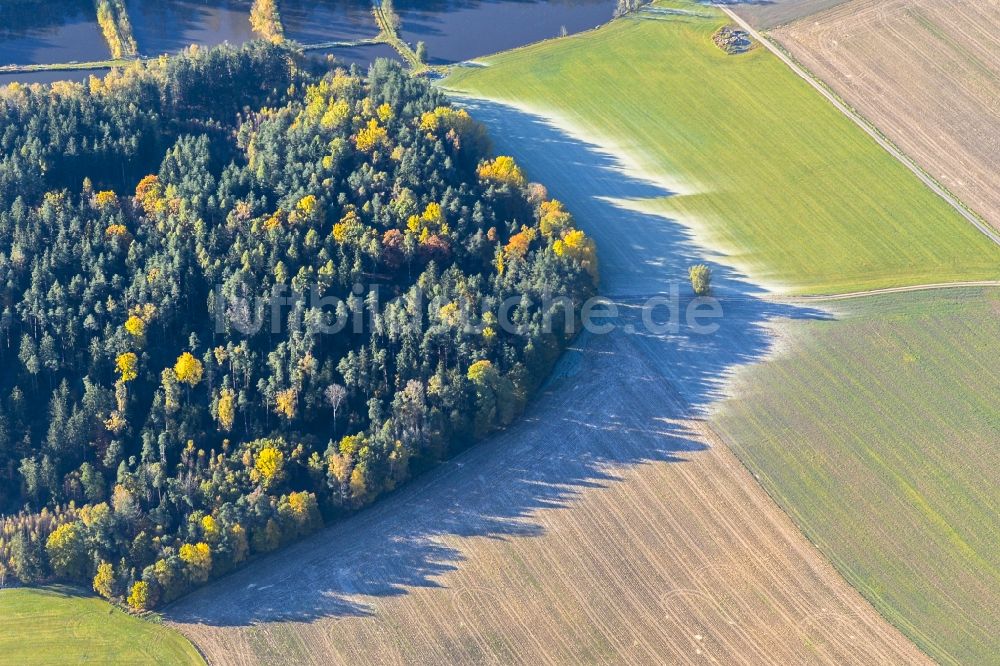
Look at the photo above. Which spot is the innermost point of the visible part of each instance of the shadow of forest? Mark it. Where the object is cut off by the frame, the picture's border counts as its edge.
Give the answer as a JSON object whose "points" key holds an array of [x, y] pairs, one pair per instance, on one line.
{"points": [[614, 401]]}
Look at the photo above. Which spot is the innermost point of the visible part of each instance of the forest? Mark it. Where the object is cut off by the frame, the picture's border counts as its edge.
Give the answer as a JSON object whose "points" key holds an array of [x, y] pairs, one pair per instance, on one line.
{"points": [[242, 294]]}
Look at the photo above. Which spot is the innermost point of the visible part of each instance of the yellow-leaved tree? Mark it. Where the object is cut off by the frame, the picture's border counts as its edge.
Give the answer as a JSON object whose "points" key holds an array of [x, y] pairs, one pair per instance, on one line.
{"points": [[308, 210], [575, 245], [285, 403], [701, 279], [266, 22], [503, 170], [197, 559], [210, 529], [302, 511], [105, 200], [359, 483], [188, 369], [482, 373], [128, 366], [67, 551], [553, 218], [138, 597], [135, 327], [269, 465], [104, 580], [371, 136], [238, 542], [226, 410]]}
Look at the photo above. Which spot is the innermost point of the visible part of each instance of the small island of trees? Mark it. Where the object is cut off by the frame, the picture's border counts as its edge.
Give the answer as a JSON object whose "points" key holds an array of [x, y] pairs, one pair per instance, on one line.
{"points": [[151, 437]]}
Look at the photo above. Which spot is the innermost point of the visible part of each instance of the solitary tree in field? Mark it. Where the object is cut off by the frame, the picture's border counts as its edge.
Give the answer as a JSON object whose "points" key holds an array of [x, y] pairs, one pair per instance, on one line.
{"points": [[422, 52], [701, 279]]}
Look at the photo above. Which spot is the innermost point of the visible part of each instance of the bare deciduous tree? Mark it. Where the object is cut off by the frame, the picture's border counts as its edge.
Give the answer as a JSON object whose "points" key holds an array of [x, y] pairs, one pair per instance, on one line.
{"points": [[335, 394]]}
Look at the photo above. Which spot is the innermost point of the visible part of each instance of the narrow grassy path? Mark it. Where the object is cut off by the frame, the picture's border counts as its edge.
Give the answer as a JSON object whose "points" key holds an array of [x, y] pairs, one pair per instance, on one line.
{"points": [[65, 66], [389, 34], [882, 292]]}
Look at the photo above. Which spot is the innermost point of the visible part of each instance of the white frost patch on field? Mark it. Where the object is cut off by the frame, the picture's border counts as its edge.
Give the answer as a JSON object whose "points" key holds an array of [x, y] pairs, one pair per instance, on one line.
{"points": [[633, 166], [645, 247], [605, 509]]}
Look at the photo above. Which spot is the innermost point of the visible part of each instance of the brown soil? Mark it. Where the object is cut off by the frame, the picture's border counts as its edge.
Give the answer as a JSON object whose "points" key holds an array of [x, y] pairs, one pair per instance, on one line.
{"points": [[925, 72], [609, 525]]}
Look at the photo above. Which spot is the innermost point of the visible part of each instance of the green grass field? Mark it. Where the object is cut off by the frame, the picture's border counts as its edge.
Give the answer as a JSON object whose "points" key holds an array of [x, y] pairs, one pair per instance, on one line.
{"points": [[774, 177], [56, 625], [878, 433]]}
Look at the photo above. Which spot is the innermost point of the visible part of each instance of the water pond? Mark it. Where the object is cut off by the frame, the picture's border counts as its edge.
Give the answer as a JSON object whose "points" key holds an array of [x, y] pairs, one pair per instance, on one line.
{"points": [[457, 30], [453, 30], [65, 31], [313, 22], [167, 26]]}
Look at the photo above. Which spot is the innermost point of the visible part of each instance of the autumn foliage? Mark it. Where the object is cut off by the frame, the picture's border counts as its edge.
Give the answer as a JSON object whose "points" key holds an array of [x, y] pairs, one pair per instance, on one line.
{"points": [[502, 170], [160, 423]]}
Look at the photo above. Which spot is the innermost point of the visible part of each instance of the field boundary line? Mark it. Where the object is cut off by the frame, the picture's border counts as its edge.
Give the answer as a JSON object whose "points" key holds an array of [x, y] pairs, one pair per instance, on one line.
{"points": [[869, 129], [878, 292]]}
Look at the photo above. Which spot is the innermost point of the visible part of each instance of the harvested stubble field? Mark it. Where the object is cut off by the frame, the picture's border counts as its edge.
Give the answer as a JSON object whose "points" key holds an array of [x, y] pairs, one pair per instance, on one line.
{"points": [[770, 13], [926, 73], [762, 167], [879, 433], [607, 526], [57, 625], [611, 524]]}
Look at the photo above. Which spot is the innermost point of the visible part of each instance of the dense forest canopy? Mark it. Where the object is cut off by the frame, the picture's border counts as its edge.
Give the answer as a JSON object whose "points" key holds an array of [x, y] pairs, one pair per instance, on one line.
{"points": [[162, 415]]}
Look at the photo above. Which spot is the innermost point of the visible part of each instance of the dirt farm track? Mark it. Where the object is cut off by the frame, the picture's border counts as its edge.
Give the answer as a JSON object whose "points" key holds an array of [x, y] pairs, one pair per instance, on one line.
{"points": [[610, 525], [926, 73]]}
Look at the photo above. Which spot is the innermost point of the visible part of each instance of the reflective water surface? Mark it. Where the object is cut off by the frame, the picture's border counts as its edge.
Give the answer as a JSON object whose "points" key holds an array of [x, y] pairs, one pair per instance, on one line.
{"points": [[61, 31]]}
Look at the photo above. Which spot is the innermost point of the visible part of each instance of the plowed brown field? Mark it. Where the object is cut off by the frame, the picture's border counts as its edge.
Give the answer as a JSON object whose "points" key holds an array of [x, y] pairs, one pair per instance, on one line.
{"points": [[607, 526], [604, 529], [770, 13], [926, 73]]}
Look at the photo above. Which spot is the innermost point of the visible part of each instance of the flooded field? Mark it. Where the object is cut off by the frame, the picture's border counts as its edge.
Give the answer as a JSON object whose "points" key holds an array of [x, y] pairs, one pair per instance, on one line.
{"points": [[167, 26], [456, 30]]}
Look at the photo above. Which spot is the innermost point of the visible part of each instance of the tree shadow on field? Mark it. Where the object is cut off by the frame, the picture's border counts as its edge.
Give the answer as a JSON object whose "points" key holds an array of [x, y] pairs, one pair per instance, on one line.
{"points": [[617, 399]]}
